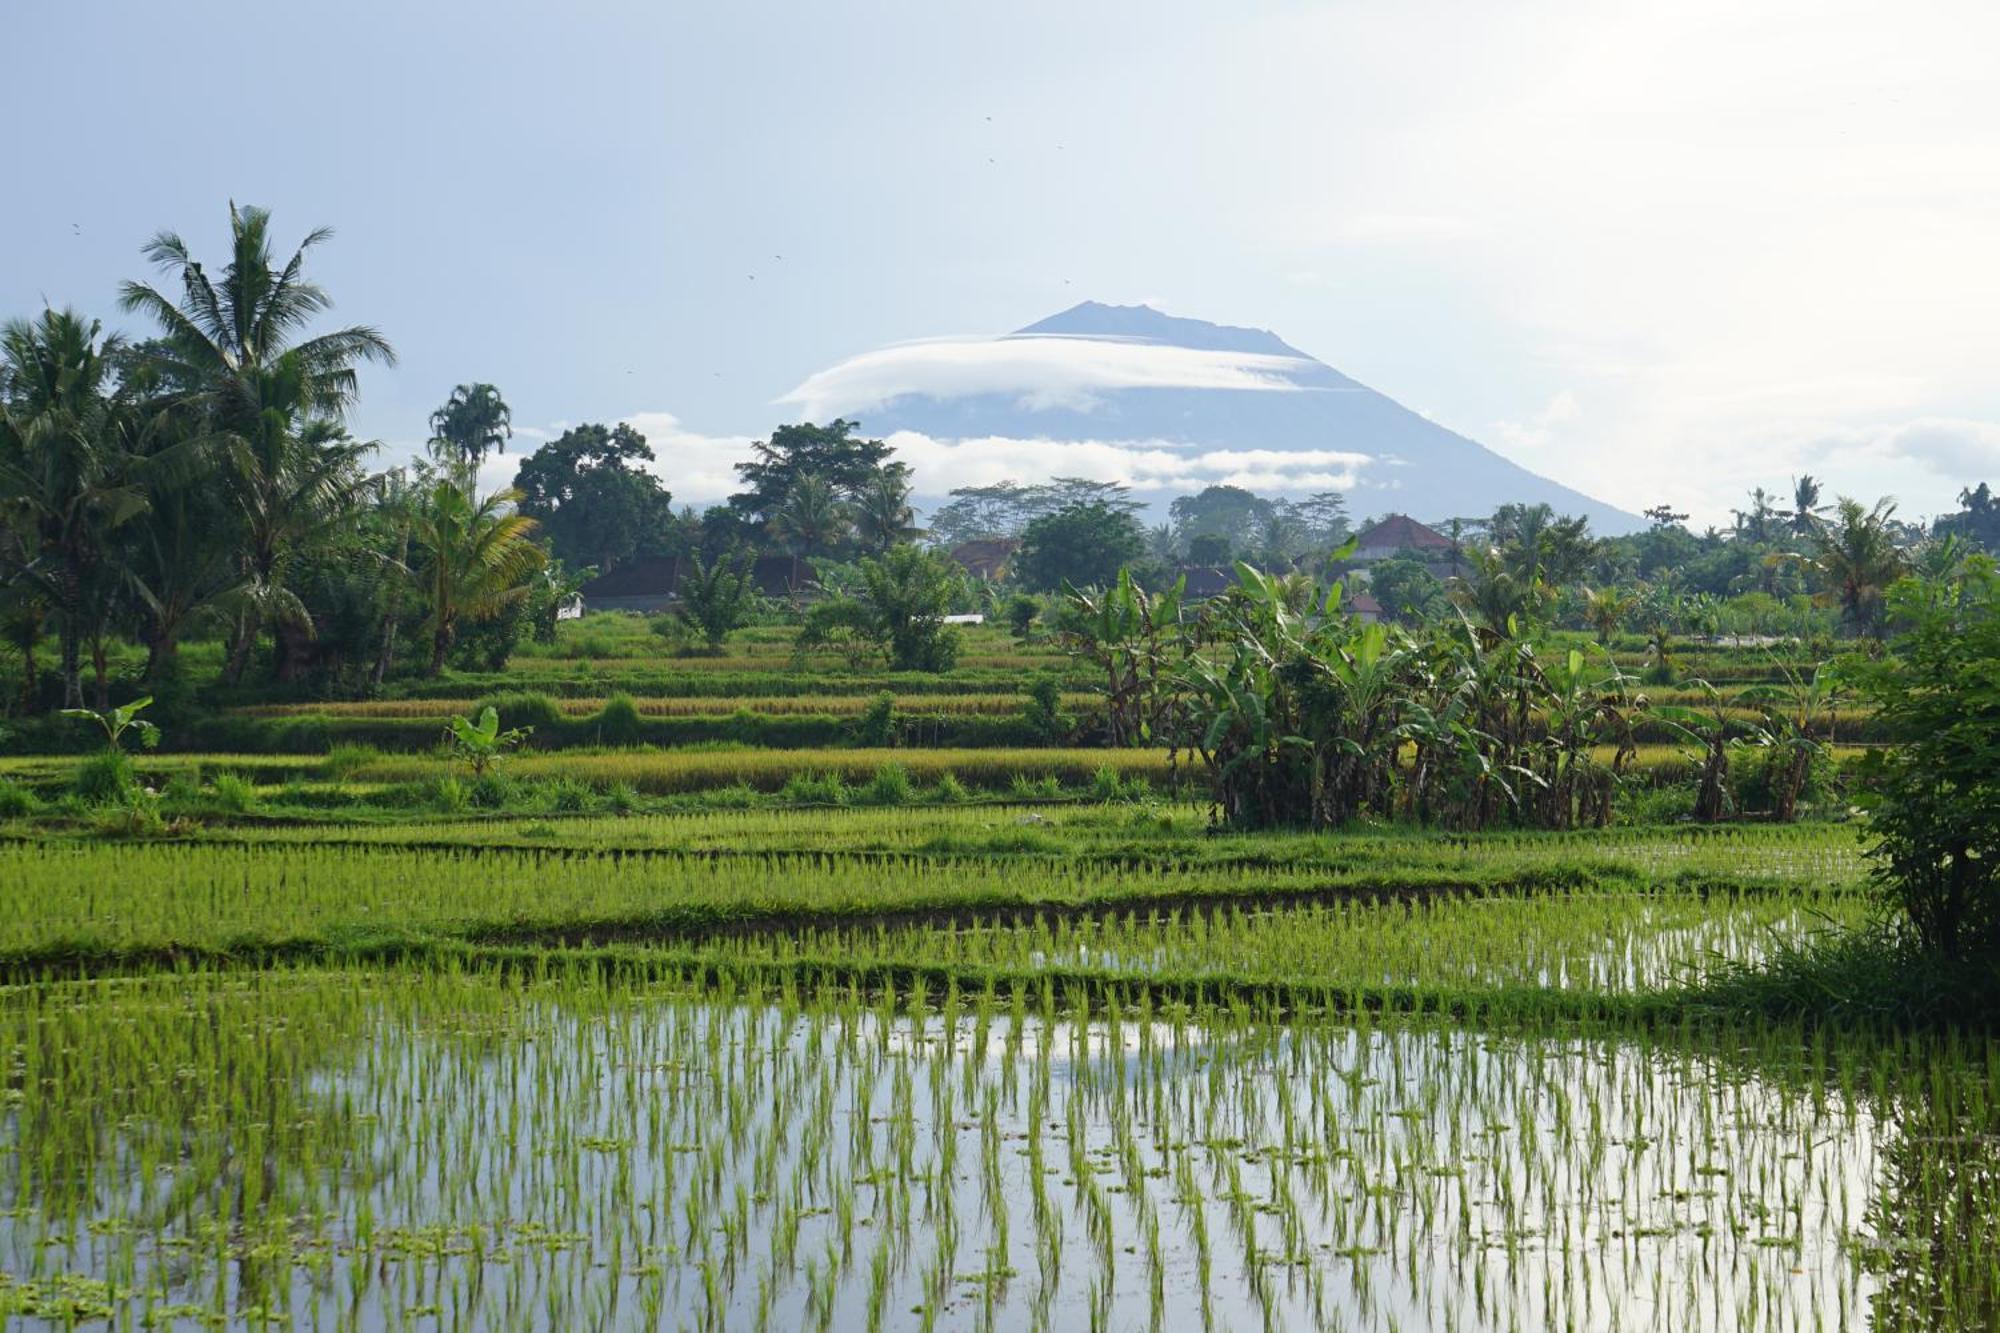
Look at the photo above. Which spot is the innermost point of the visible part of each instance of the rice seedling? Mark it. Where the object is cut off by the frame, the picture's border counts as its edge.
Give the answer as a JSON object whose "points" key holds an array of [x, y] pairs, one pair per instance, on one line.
{"points": [[612, 1143]]}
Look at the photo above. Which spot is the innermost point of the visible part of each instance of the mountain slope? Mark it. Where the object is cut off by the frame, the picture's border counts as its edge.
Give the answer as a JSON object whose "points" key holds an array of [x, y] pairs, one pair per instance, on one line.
{"points": [[1204, 402]]}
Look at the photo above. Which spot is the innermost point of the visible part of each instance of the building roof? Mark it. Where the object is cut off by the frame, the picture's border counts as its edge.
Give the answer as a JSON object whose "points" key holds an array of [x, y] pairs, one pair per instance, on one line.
{"points": [[1362, 604], [1400, 532], [660, 576], [1204, 581], [647, 576], [985, 556]]}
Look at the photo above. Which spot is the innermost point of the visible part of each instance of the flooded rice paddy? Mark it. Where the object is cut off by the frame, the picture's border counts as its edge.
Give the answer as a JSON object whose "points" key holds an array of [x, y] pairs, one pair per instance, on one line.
{"points": [[612, 1148]]}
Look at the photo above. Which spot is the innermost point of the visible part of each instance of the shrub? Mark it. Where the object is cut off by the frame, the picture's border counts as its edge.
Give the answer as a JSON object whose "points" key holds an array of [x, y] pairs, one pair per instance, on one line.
{"points": [[814, 789], [136, 817], [523, 709], [876, 726], [622, 798], [1022, 608], [1043, 709], [1935, 796], [449, 796], [567, 796], [344, 761], [1759, 770], [950, 791], [1044, 788], [492, 791], [233, 793], [891, 785], [619, 722], [104, 777], [16, 801]]}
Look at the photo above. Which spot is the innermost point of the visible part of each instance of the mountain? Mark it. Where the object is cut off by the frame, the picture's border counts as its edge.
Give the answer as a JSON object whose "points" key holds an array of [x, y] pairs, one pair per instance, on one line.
{"points": [[1195, 403]]}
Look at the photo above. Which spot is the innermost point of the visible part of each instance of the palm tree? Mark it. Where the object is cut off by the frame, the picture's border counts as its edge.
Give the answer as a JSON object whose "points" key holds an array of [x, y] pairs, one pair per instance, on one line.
{"points": [[270, 405], [67, 472], [1804, 515], [812, 520], [882, 514], [476, 558], [23, 620], [1607, 610], [1856, 559], [474, 421]]}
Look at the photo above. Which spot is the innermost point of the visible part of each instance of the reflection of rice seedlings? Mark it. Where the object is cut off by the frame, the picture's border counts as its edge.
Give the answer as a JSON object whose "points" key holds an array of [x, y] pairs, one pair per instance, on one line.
{"points": [[609, 1146]]}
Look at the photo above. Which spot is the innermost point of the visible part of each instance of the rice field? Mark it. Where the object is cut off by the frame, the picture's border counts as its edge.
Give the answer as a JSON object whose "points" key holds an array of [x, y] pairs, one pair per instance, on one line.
{"points": [[1032, 1059], [604, 1147]]}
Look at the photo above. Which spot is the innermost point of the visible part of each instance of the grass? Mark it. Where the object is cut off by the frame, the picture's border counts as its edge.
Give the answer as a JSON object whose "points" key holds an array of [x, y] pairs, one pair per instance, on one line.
{"points": [[943, 1036]]}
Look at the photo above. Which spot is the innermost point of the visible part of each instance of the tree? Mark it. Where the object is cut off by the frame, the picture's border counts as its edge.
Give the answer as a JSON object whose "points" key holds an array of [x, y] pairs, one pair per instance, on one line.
{"points": [[1934, 794], [1856, 559], [882, 514], [1229, 512], [1005, 508], [1758, 523], [474, 421], [1405, 587], [67, 473], [1320, 517], [1607, 610], [594, 502], [1209, 549], [1804, 515], [812, 520], [847, 464], [899, 608], [1084, 545], [270, 406], [716, 598], [1978, 520], [475, 557]]}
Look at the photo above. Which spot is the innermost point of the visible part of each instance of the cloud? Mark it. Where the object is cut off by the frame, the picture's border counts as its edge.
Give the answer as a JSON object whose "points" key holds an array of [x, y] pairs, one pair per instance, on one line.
{"points": [[1537, 432], [1953, 447], [1042, 372], [1144, 465], [698, 469]]}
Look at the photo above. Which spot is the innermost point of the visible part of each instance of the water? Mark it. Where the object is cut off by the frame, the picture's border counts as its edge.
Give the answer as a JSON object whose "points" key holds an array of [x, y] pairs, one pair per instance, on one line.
{"points": [[465, 1151]]}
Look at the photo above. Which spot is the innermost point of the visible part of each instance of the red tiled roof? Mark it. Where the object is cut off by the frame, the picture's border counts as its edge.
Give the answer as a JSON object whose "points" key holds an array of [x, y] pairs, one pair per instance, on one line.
{"points": [[1400, 532]]}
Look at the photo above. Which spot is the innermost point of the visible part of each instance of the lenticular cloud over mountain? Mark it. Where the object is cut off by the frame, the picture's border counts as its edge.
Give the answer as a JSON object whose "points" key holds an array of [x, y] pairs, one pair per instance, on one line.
{"points": [[1167, 405]]}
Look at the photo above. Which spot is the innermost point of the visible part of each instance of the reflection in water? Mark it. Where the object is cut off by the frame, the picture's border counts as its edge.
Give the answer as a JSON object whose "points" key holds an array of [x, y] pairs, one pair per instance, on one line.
{"points": [[583, 1151]]}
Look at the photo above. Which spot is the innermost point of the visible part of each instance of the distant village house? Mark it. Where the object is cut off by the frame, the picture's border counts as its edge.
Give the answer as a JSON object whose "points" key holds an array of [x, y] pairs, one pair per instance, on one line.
{"points": [[650, 583]]}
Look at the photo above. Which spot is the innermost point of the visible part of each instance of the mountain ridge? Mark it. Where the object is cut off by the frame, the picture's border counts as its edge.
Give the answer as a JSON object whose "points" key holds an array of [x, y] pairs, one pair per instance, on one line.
{"points": [[1283, 423]]}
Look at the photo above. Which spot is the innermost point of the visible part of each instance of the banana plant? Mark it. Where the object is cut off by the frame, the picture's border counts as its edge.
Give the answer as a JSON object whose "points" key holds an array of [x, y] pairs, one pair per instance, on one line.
{"points": [[1799, 718], [480, 744], [1708, 732], [117, 722], [1134, 638]]}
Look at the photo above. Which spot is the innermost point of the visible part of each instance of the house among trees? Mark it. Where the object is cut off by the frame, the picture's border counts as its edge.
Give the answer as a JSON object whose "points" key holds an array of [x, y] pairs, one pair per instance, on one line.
{"points": [[986, 558], [1399, 534], [650, 583], [1204, 582], [1363, 607]]}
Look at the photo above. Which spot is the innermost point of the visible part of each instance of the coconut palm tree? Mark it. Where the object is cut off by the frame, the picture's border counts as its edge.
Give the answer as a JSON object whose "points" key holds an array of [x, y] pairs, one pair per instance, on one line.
{"points": [[812, 520], [1856, 559], [67, 472], [475, 558], [1804, 515], [474, 421], [882, 514], [270, 405]]}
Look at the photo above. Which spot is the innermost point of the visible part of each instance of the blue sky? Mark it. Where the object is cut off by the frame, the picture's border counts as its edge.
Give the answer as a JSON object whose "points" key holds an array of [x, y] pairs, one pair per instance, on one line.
{"points": [[1663, 253]]}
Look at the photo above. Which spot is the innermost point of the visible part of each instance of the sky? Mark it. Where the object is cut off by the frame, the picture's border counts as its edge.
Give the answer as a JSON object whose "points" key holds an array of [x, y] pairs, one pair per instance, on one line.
{"points": [[1663, 253]]}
